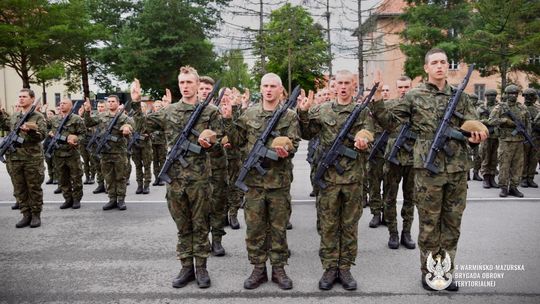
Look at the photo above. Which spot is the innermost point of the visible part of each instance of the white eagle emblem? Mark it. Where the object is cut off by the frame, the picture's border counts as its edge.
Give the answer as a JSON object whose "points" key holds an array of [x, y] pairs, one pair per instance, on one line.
{"points": [[439, 277]]}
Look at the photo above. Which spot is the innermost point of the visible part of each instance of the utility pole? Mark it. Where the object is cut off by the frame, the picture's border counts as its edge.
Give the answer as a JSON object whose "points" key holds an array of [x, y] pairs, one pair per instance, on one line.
{"points": [[261, 25], [360, 47], [328, 38]]}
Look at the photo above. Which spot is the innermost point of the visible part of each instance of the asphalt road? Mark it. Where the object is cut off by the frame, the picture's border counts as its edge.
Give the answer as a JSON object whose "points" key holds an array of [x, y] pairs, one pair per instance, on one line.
{"points": [[92, 256]]}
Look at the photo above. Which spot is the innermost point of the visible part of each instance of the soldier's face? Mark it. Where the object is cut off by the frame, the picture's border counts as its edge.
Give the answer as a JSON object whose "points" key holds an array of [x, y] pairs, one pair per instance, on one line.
{"points": [[345, 86], [386, 92], [113, 103], [436, 67], [65, 106], [158, 105], [403, 87], [491, 98], [204, 90], [101, 107], [25, 100], [271, 90], [188, 84]]}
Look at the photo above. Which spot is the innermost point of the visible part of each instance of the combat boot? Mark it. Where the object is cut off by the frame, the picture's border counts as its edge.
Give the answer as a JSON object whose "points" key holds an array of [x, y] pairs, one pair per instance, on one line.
{"points": [[201, 274], [217, 248], [186, 275], [532, 184], [127, 182], [328, 278], [121, 203], [15, 206], [87, 179], [146, 188], [514, 192], [25, 221], [524, 183], [486, 183], [76, 204], [279, 276], [468, 175], [139, 188], [492, 182], [504, 192], [453, 286], [36, 221], [476, 176], [111, 204], [57, 190], [100, 188], [155, 183], [406, 240], [257, 277], [49, 181], [393, 241], [67, 204], [347, 280], [233, 221], [289, 225], [375, 221]]}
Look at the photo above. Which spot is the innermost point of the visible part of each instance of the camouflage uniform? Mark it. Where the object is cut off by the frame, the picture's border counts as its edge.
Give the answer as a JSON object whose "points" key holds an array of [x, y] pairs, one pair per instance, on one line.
{"points": [[25, 165], [234, 154], [159, 151], [475, 150], [268, 201], [338, 205], [440, 198], [375, 177], [89, 167], [113, 162], [187, 194], [488, 148], [531, 155], [392, 176], [141, 153], [220, 183], [49, 161]]}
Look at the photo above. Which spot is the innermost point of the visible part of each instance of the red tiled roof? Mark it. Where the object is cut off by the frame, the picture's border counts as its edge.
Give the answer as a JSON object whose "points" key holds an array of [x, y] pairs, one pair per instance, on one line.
{"points": [[391, 7]]}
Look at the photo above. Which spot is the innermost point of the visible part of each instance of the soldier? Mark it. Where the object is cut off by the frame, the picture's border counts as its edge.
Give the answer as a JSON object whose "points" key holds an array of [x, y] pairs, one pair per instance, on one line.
{"points": [[488, 148], [268, 201], [141, 152], [393, 173], [25, 165], [219, 181], [475, 150], [101, 108], [66, 158], [338, 207], [510, 153], [159, 147], [440, 198], [187, 194], [88, 166], [113, 161], [375, 176], [50, 168], [530, 154]]}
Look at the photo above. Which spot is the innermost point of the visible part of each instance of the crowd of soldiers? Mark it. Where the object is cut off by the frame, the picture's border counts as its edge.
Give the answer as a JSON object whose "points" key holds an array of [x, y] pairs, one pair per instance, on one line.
{"points": [[224, 134]]}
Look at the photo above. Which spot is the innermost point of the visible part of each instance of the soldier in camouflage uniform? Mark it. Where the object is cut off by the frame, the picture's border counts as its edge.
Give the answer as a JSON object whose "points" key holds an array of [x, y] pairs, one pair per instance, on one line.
{"points": [[187, 194], [159, 148], [393, 173], [89, 168], [440, 198], [113, 162], [268, 201], [101, 108], [375, 178], [141, 152], [66, 158], [510, 153], [475, 150], [50, 168], [531, 155], [338, 205], [488, 148], [25, 165]]}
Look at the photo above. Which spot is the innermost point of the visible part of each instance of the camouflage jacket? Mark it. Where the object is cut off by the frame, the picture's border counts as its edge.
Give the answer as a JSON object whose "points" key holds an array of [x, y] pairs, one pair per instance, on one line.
{"points": [[483, 113], [101, 121], [405, 158], [325, 121], [424, 108], [31, 148], [74, 126], [243, 133], [378, 132], [534, 110], [171, 120], [235, 152], [498, 118]]}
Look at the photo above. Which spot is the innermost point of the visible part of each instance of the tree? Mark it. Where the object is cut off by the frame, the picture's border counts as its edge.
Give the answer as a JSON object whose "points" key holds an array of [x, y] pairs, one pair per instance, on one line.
{"points": [[294, 46], [235, 72], [433, 23], [502, 36]]}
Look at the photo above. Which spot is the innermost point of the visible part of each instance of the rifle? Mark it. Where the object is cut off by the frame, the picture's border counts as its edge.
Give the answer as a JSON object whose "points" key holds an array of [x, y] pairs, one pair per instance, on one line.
{"points": [[93, 140], [9, 142], [102, 143], [520, 128], [218, 100], [182, 144], [135, 139], [379, 145], [444, 131], [401, 142], [312, 148], [58, 137], [259, 151], [337, 149]]}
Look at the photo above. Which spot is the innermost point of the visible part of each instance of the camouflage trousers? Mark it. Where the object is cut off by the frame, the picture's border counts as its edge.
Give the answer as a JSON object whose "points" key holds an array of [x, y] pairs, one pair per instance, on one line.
{"points": [[27, 176], [190, 208], [218, 212], [510, 156], [234, 195], [142, 158], [530, 159], [89, 167], [440, 200], [477, 158], [50, 167], [392, 177], [128, 167], [69, 173], [375, 178], [338, 211], [97, 164], [114, 169], [488, 150], [267, 212], [159, 153]]}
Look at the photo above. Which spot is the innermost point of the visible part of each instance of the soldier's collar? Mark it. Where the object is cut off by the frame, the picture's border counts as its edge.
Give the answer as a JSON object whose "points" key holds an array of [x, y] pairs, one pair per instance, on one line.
{"points": [[347, 108]]}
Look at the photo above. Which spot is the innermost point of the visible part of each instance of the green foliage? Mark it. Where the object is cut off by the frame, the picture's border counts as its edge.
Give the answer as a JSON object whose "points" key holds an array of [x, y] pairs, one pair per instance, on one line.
{"points": [[292, 36], [235, 71]]}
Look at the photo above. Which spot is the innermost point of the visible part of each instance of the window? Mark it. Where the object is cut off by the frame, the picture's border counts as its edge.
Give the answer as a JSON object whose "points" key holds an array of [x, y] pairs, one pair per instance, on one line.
{"points": [[57, 98], [479, 90], [453, 65], [534, 59]]}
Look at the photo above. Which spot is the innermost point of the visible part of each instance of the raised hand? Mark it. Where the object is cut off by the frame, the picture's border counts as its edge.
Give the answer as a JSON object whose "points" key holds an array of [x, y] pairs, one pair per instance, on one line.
{"points": [[303, 102], [87, 105], [136, 90], [378, 79]]}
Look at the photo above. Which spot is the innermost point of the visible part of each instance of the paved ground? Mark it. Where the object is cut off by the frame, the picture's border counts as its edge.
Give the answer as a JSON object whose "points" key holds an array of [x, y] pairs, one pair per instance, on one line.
{"points": [[91, 256]]}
